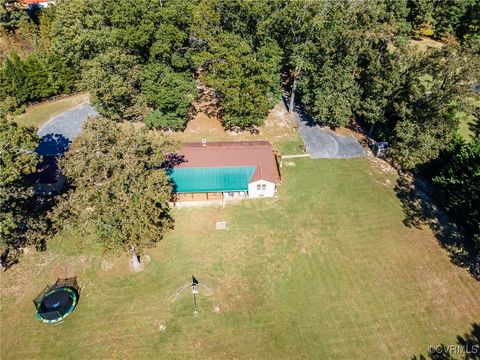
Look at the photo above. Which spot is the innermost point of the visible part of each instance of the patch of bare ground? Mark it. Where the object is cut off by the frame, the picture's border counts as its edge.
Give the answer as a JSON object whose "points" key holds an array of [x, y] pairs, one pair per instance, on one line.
{"points": [[206, 123], [19, 42], [278, 125], [78, 98], [424, 44]]}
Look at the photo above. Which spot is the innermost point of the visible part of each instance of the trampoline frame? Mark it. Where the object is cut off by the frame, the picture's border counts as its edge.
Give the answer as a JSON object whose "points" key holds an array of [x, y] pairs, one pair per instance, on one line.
{"points": [[60, 285]]}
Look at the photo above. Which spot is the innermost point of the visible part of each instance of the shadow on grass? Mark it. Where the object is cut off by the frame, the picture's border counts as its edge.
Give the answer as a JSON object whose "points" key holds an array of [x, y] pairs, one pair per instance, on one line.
{"points": [[420, 209], [467, 347]]}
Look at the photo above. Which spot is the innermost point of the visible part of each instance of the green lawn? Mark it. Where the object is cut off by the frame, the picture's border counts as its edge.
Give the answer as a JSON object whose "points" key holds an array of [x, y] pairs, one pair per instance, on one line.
{"points": [[38, 114], [466, 122], [325, 271]]}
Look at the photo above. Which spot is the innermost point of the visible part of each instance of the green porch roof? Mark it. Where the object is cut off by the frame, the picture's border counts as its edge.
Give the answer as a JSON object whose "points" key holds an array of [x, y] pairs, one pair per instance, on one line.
{"points": [[212, 179]]}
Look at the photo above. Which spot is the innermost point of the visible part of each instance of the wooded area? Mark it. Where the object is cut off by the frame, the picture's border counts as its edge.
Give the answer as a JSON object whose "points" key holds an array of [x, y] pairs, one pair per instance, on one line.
{"points": [[343, 61]]}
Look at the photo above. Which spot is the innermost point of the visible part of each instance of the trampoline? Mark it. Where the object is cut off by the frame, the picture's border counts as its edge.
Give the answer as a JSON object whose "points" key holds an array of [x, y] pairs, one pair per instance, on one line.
{"points": [[57, 301]]}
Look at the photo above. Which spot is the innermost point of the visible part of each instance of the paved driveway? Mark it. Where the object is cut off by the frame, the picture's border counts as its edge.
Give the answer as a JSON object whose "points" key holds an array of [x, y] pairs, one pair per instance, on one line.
{"points": [[324, 143], [57, 134]]}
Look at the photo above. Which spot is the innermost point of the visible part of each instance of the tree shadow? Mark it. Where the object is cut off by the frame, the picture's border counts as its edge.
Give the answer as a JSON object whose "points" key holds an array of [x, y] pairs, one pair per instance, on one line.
{"points": [[53, 145], [305, 117], [302, 114], [171, 161], [419, 210], [467, 347]]}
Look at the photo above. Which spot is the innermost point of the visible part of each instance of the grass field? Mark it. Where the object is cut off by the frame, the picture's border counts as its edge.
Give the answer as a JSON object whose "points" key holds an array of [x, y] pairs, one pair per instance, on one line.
{"points": [[38, 114], [325, 271], [467, 122]]}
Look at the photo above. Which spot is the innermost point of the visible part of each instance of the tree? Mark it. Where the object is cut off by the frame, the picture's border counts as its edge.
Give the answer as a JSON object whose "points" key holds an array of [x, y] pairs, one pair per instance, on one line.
{"points": [[119, 190], [245, 70], [113, 79], [448, 16], [423, 111], [37, 76], [20, 222], [380, 77], [469, 29], [105, 25], [328, 87], [247, 81], [11, 15], [422, 17], [459, 192], [294, 26], [172, 44], [170, 94]]}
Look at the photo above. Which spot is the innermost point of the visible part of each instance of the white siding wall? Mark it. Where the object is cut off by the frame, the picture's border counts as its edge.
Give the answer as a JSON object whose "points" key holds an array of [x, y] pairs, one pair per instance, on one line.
{"points": [[253, 191]]}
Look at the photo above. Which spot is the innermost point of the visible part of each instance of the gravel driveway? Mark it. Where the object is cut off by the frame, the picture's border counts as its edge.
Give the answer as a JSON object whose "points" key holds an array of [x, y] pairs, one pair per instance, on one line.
{"points": [[57, 134], [324, 143]]}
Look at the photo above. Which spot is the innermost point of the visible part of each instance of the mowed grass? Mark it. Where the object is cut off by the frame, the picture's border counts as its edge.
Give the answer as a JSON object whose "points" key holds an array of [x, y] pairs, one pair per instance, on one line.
{"points": [[467, 123], [325, 271], [38, 114]]}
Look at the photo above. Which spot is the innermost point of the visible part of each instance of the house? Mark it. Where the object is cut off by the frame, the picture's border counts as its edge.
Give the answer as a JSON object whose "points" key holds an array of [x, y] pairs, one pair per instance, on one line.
{"points": [[37, 4], [225, 171]]}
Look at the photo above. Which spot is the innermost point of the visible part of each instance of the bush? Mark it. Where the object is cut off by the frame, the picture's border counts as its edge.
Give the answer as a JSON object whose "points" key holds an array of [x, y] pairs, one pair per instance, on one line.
{"points": [[169, 121]]}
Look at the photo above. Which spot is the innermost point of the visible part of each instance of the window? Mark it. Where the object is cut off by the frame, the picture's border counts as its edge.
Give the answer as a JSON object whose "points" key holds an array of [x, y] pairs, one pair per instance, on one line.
{"points": [[261, 186]]}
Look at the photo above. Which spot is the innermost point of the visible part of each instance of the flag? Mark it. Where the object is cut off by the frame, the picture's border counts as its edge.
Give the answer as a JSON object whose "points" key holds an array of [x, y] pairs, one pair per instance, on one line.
{"points": [[194, 281]]}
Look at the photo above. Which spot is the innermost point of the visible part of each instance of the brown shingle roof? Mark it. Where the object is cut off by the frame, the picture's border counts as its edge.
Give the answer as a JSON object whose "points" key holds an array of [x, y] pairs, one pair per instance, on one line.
{"points": [[232, 153]]}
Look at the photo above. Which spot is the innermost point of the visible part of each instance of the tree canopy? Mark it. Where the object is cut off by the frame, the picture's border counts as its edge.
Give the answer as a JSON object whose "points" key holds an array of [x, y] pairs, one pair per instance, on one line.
{"points": [[119, 191], [20, 223]]}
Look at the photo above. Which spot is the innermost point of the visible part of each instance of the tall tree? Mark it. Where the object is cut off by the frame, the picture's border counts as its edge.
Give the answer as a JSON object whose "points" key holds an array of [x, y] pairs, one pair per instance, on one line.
{"points": [[113, 79], [458, 187], [119, 191], [448, 16], [20, 223], [422, 17], [170, 94], [381, 75], [423, 112], [245, 70], [328, 86], [105, 25]]}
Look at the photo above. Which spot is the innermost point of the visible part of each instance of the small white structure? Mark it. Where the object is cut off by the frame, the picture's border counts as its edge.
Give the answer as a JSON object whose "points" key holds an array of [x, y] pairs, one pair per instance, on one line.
{"points": [[261, 188]]}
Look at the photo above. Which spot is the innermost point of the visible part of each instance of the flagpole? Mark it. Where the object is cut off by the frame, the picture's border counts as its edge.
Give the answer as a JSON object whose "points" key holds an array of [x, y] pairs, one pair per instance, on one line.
{"points": [[194, 291], [195, 311]]}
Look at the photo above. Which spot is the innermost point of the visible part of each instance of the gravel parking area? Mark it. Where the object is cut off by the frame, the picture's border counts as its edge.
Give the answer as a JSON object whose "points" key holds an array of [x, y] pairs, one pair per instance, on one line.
{"points": [[57, 134], [324, 143]]}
